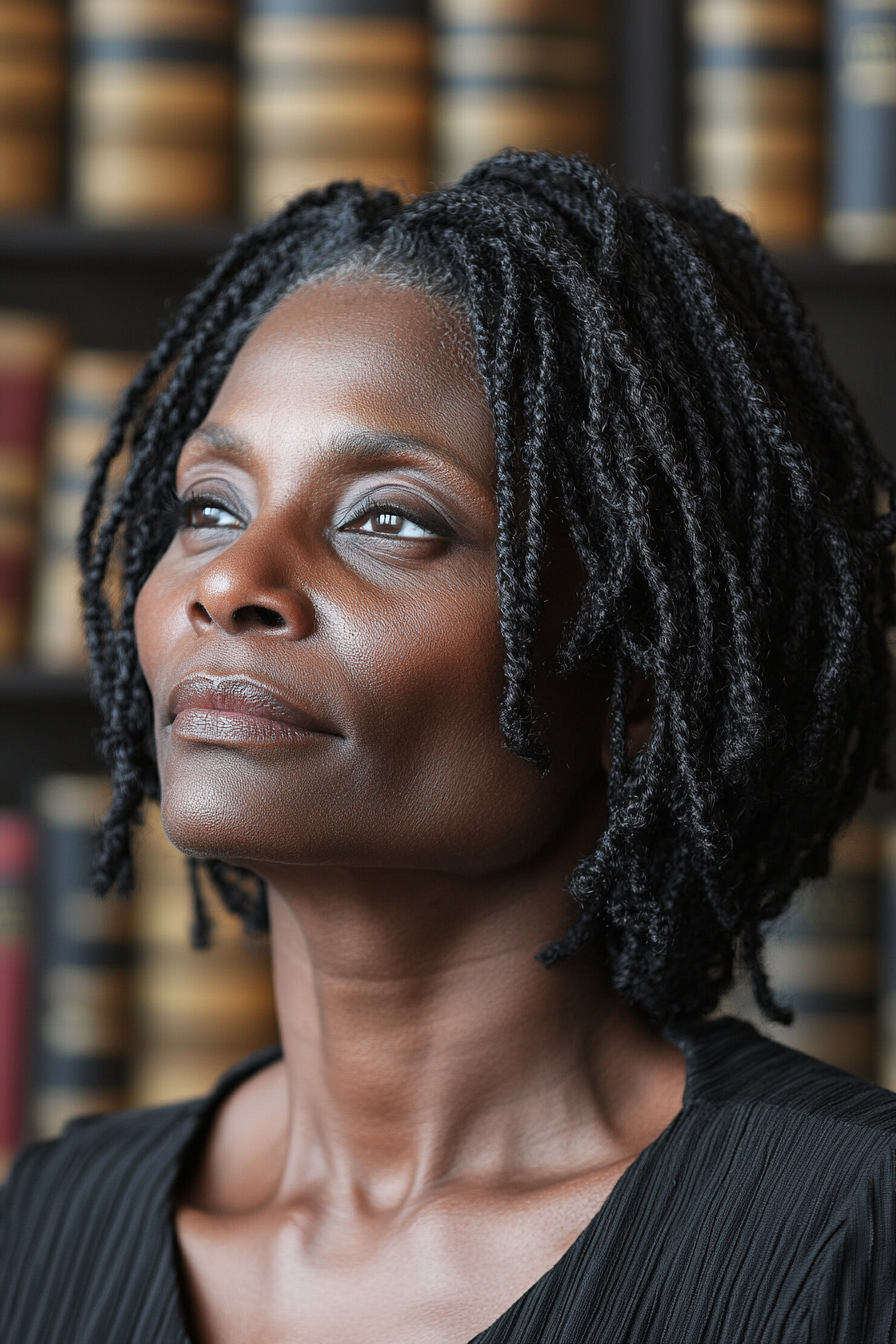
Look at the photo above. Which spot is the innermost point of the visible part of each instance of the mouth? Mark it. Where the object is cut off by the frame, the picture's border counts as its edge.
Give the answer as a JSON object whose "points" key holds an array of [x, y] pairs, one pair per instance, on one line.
{"points": [[239, 711]]}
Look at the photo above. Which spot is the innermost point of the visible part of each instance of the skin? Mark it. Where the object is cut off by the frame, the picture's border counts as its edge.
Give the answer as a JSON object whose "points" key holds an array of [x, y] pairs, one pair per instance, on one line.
{"points": [[448, 1115]]}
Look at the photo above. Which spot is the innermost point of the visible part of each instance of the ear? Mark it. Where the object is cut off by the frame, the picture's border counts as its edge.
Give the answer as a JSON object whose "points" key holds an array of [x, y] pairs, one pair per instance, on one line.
{"points": [[639, 716]]}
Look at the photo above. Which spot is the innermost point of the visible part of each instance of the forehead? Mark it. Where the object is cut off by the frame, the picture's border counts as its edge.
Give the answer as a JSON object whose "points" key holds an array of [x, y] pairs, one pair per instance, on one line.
{"points": [[333, 358]]}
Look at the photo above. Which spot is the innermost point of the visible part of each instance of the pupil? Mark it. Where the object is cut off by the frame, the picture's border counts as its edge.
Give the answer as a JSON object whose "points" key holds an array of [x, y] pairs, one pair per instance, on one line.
{"points": [[389, 522]]}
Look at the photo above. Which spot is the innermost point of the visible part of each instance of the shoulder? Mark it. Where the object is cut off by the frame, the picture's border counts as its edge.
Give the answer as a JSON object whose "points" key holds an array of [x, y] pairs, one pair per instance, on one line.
{"points": [[770, 1201], [811, 1142], [96, 1158], [86, 1244], [85, 1211], [731, 1065]]}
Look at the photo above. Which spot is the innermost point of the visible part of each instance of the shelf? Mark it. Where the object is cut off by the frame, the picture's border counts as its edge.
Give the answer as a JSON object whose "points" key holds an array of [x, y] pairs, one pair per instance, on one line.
{"points": [[47, 725], [58, 238], [821, 270], [21, 684]]}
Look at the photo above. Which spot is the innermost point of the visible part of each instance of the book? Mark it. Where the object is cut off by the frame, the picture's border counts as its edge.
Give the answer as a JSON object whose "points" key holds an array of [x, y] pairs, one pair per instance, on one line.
{"points": [[861, 218], [16, 864], [85, 956], [153, 95], [886, 1071], [332, 89], [523, 73], [32, 96], [822, 957], [197, 1011], [89, 385], [30, 350], [755, 133]]}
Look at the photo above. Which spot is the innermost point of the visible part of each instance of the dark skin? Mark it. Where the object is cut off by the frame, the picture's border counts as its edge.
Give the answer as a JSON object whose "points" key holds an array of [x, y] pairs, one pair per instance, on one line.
{"points": [[321, 640]]}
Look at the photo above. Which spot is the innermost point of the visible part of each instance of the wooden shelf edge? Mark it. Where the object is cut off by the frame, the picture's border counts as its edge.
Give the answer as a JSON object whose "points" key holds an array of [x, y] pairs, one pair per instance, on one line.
{"points": [[21, 684], [58, 238]]}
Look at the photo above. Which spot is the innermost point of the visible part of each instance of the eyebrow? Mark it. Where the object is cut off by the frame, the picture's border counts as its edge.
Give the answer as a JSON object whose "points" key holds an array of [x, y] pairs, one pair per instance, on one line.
{"points": [[363, 443]]}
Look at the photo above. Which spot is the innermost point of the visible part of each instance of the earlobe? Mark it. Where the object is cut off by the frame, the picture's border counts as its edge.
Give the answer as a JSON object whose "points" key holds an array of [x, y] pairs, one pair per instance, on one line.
{"points": [[639, 718]]}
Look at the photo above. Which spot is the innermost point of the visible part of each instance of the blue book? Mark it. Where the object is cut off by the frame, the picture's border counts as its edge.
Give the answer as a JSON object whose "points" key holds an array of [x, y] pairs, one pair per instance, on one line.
{"points": [[861, 223]]}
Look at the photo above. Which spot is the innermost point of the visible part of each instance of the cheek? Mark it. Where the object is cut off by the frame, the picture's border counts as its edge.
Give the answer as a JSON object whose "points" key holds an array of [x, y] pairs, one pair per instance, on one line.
{"points": [[159, 620], [148, 627], [436, 773]]}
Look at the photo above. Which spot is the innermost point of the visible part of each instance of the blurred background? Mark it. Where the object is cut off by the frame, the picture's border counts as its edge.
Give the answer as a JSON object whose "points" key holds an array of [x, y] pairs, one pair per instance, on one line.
{"points": [[135, 137]]}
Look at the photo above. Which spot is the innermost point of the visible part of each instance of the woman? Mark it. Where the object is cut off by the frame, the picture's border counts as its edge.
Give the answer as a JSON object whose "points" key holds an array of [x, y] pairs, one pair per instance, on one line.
{"points": [[514, 644]]}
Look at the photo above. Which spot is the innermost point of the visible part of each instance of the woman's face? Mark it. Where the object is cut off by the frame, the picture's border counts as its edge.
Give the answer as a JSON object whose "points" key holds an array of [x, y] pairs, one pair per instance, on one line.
{"points": [[321, 637]]}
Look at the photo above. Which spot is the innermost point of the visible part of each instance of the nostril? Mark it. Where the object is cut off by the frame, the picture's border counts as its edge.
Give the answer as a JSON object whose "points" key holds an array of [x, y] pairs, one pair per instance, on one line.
{"points": [[258, 615]]}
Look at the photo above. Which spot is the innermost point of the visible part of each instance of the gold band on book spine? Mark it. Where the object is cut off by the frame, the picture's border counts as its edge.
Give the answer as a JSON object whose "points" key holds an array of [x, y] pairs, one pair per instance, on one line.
{"points": [[755, 95], [32, 85], [153, 101], [517, 72], [327, 98]]}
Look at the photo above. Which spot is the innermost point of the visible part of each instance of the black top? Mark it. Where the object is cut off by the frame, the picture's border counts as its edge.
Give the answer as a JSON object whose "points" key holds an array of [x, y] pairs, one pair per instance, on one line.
{"points": [[764, 1213]]}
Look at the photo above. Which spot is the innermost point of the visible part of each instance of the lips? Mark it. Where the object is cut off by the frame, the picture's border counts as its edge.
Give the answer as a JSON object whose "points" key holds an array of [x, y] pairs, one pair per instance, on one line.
{"points": [[240, 711]]}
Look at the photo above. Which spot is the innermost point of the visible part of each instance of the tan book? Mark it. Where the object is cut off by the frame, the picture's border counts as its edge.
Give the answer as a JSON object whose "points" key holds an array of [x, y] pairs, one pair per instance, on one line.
{"points": [[755, 95], [197, 1011], [32, 95], [30, 350], [332, 91], [153, 90], [89, 385], [521, 73]]}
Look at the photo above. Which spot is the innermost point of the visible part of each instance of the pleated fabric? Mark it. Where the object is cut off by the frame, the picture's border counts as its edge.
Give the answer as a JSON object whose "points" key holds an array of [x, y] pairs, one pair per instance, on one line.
{"points": [[764, 1214]]}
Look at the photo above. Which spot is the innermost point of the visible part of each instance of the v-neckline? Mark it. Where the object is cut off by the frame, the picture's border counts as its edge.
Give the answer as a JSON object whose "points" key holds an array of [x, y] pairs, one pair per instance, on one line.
{"points": [[208, 1107]]}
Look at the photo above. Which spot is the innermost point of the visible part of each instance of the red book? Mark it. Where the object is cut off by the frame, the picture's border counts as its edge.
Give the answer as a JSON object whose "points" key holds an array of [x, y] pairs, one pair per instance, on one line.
{"points": [[30, 349], [16, 861]]}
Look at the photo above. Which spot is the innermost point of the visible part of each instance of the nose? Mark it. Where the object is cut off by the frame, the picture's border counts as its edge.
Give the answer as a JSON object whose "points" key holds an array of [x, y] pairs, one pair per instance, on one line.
{"points": [[244, 590]]}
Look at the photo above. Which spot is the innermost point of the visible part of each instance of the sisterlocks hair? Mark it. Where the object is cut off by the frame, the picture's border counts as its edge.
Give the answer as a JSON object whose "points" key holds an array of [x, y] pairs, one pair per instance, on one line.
{"points": [[655, 382]]}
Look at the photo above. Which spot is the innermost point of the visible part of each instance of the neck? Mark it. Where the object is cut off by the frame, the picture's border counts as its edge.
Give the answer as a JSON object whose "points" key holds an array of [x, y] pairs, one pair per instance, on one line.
{"points": [[423, 1040]]}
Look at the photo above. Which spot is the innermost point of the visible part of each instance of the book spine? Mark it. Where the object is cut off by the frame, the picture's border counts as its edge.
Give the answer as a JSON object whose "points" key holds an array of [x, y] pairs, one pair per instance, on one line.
{"points": [[32, 89], [332, 90], [90, 383], [523, 73], [153, 88], [30, 349], [85, 961], [822, 957], [16, 864], [197, 1012], [755, 135], [886, 1071], [861, 220]]}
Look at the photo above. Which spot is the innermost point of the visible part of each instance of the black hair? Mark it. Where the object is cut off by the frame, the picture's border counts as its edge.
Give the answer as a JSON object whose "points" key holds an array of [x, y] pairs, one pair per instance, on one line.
{"points": [[651, 373]]}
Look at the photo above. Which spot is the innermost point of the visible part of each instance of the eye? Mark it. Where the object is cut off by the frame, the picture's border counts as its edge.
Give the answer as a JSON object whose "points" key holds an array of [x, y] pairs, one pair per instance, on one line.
{"points": [[197, 512], [383, 518], [388, 523]]}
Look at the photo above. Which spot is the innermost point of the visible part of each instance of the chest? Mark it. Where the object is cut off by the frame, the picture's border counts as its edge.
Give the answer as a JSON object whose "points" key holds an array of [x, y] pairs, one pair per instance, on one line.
{"points": [[440, 1275]]}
